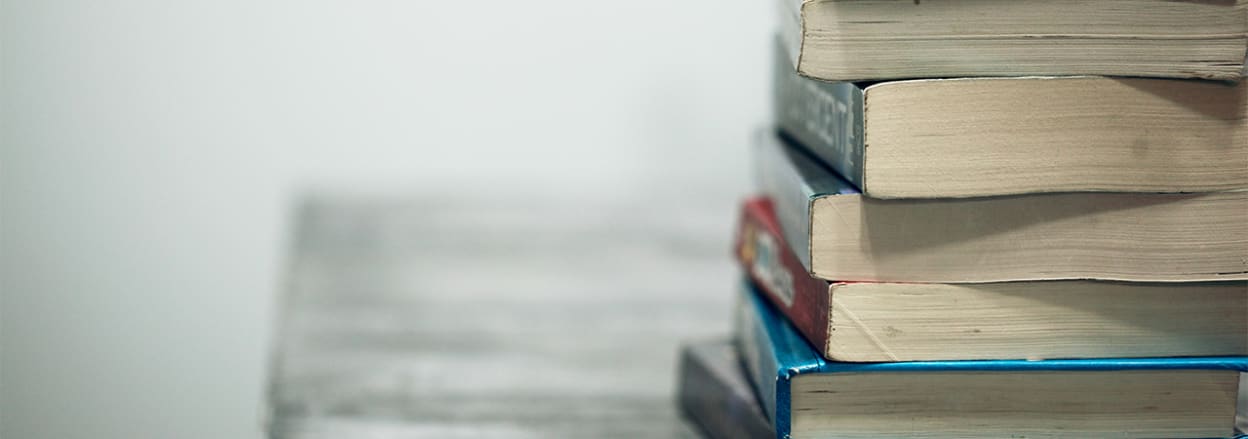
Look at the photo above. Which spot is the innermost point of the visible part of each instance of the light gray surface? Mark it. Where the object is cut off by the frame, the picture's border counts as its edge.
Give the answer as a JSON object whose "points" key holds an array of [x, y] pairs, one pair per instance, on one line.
{"points": [[433, 318], [150, 149]]}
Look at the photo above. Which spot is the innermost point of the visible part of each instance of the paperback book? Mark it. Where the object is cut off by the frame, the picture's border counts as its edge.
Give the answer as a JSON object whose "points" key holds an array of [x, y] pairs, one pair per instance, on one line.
{"points": [[840, 234], [970, 137], [808, 397], [840, 40], [715, 394], [874, 321]]}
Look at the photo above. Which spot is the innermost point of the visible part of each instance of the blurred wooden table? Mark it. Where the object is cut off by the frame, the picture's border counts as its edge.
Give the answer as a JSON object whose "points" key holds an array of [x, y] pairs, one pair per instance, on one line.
{"points": [[448, 319]]}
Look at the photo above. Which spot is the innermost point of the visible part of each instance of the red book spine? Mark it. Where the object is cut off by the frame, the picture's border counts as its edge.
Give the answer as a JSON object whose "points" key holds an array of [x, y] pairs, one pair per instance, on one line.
{"points": [[775, 269]]}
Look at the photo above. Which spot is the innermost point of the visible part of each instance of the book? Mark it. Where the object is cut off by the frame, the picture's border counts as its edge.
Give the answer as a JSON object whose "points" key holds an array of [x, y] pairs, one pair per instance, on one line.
{"points": [[808, 397], [840, 40], [871, 322], [968, 137], [715, 395], [839, 234], [1241, 421]]}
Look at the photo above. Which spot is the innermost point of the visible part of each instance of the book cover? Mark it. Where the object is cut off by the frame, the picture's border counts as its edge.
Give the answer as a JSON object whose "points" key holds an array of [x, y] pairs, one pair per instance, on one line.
{"points": [[792, 179], [825, 117], [769, 262], [714, 393], [775, 354]]}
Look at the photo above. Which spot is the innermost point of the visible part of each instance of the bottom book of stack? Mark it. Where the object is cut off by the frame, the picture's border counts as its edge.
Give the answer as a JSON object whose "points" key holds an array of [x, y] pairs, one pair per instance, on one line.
{"points": [[715, 394], [772, 383]]}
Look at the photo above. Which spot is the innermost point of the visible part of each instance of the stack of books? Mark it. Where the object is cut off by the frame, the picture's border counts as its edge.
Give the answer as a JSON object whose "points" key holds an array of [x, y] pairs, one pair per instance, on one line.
{"points": [[990, 219]]}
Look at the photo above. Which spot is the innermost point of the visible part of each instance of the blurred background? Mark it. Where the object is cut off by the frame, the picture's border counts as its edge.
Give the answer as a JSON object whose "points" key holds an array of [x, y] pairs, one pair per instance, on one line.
{"points": [[156, 152]]}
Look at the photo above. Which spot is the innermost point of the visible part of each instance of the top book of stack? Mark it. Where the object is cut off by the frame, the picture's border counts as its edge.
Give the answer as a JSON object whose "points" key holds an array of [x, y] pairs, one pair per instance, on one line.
{"points": [[868, 40]]}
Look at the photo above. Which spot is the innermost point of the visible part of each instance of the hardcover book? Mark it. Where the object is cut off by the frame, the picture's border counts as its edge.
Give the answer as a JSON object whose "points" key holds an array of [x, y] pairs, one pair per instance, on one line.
{"points": [[715, 394], [842, 40], [870, 321], [967, 137], [839, 234], [808, 397]]}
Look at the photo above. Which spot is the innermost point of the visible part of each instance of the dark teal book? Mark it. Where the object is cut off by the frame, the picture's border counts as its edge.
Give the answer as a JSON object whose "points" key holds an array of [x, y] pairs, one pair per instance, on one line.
{"points": [[971, 137], [715, 395], [824, 117], [808, 397]]}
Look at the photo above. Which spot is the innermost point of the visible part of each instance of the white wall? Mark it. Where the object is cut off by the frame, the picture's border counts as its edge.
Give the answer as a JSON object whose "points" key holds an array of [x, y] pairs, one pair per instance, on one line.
{"points": [[151, 148]]}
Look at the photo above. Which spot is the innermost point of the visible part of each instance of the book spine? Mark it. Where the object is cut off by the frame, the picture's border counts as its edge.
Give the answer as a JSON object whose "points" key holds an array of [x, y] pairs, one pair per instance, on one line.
{"points": [[781, 181], [762, 366], [715, 395], [776, 271], [826, 118], [773, 353]]}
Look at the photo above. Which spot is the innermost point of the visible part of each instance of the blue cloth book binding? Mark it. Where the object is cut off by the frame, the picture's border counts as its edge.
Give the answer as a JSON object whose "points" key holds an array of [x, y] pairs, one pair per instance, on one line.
{"points": [[775, 354]]}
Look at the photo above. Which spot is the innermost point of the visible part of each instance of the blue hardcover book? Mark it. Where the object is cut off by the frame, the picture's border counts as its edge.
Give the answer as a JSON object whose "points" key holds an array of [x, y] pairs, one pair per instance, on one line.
{"points": [[808, 397]]}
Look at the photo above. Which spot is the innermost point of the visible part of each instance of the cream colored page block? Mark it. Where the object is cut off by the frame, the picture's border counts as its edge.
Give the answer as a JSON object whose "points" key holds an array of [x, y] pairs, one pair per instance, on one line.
{"points": [[857, 40], [1170, 404], [861, 60], [1033, 320], [1003, 136], [1170, 237], [887, 19]]}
